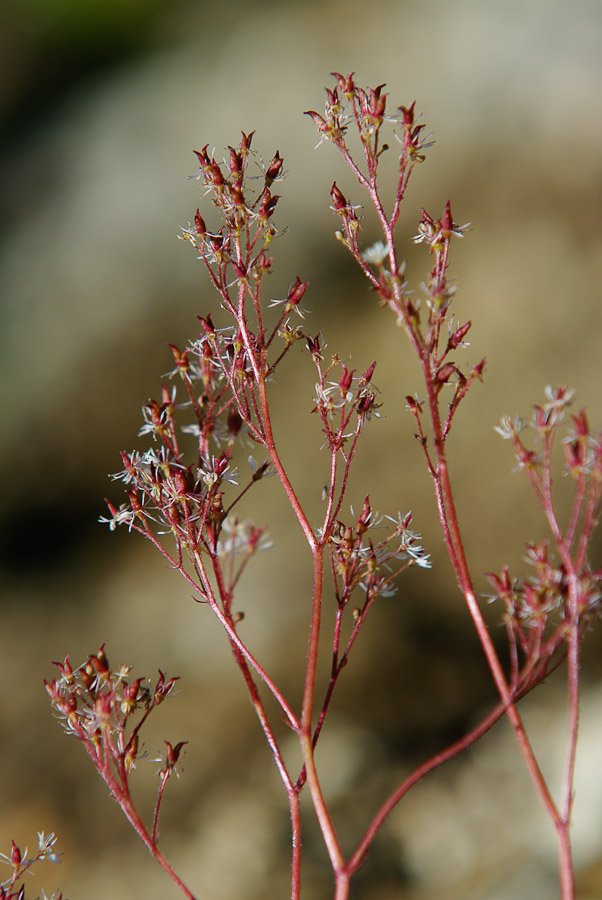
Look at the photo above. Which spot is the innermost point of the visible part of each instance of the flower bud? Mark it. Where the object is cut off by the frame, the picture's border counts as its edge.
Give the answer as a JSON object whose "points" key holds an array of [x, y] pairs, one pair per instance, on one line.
{"points": [[199, 224], [297, 291], [338, 199], [274, 169]]}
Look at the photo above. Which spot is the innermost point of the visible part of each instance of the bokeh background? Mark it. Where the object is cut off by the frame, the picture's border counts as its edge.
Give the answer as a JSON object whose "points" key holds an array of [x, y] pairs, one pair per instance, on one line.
{"points": [[101, 105]]}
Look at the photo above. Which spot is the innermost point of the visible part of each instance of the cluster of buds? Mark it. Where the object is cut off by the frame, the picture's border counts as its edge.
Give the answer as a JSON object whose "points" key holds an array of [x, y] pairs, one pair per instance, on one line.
{"points": [[564, 591], [223, 373], [365, 111], [238, 247], [358, 561], [20, 862], [367, 107], [106, 710], [339, 402]]}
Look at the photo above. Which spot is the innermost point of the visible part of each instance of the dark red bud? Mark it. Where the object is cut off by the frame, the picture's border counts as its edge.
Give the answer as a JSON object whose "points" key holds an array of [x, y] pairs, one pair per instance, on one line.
{"points": [[173, 753], [346, 379], [274, 169], [245, 143], [297, 291], [237, 196], [207, 325], [367, 376], [217, 176], [15, 855], [445, 373], [135, 502], [199, 224], [364, 517], [447, 222], [99, 661], [346, 83], [268, 204], [235, 162], [338, 199], [202, 156], [457, 337], [130, 691], [313, 345], [408, 114]]}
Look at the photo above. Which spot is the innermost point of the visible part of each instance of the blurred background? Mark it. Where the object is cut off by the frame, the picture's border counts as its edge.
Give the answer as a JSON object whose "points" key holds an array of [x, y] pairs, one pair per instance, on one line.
{"points": [[101, 104]]}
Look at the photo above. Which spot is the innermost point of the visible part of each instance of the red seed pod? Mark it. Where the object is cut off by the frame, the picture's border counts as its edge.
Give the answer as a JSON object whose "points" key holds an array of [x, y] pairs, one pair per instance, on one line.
{"points": [[180, 359], [203, 157], [338, 198], [130, 691], [346, 379], [217, 176], [15, 855], [207, 325], [444, 373], [164, 687], [408, 115], [297, 291], [331, 97], [458, 336], [363, 521], [131, 752], [245, 143], [268, 204], [199, 224], [313, 345], [180, 483], [237, 196], [135, 501], [173, 753], [413, 404], [377, 101], [65, 669], [216, 241], [447, 222], [274, 169], [235, 163], [367, 376], [99, 661], [346, 82]]}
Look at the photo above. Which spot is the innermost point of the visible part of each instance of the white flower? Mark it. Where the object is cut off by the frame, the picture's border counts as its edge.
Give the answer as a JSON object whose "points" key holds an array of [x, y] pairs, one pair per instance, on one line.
{"points": [[377, 254]]}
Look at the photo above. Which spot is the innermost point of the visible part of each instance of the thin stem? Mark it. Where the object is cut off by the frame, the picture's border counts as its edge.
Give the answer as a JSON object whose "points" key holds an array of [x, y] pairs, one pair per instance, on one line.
{"points": [[305, 735]]}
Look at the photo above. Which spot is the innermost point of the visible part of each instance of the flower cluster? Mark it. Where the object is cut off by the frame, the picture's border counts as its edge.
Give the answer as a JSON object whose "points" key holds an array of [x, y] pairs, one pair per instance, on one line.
{"points": [[563, 591], [106, 711], [357, 560], [20, 861]]}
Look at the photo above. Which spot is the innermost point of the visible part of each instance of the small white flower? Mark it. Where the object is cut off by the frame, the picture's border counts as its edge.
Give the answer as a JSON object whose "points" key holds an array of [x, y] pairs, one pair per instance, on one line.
{"points": [[377, 254], [509, 428]]}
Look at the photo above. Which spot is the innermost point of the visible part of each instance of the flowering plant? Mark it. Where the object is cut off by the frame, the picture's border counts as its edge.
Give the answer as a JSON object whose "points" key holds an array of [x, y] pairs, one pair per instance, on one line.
{"points": [[183, 493]]}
